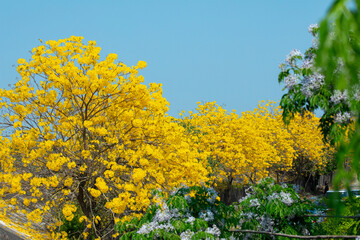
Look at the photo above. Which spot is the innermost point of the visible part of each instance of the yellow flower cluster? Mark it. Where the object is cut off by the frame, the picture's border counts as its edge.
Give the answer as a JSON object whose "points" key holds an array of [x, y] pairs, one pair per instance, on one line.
{"points": [[101, 185], [312, 153], [68, 211], [94, 192]]}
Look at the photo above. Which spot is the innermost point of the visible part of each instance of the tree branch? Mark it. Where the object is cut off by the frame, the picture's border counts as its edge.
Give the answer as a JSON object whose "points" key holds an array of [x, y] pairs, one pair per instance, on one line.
{"points": [[295, 236]]}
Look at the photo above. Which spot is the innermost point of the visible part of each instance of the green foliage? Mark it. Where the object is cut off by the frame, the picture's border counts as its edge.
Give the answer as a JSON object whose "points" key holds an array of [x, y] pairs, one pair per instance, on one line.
{"points": [[188, 212], [343, 226], [274, 208], [336, 58], [311, 92], [269, 207], [340, 42], [73, 228]]}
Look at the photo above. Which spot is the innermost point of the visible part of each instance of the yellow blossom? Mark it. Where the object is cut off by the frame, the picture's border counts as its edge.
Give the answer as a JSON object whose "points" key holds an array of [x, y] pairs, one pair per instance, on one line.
{"points": [[141, 64]]}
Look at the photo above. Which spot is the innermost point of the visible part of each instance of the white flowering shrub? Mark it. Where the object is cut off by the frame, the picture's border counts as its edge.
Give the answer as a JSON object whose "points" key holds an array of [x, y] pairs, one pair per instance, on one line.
{"points": [[307, 89], [187, 213], [274, 208]]}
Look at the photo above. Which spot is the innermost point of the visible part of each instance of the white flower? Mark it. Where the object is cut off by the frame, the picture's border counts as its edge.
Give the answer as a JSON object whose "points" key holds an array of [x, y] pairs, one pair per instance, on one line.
{"points": [[166, 226], [286, 198], [249, 190], [143, 230], [214, 231], [292, 55], [312, 83], [267, 224], [163, 215], [339, 96], [283, 197], [307, 91], [147, 228], [186, 235], [356, 93], [319, 212], [342, 117], [213, 195], [290, 81], [340, 65], [312, 28], [207, 216], [176, 189], [315, 42], [316, 80], [254, 202], [305, 232], [248, 215], [307, 63], [173, 192], [244, 198], [190, 219]]}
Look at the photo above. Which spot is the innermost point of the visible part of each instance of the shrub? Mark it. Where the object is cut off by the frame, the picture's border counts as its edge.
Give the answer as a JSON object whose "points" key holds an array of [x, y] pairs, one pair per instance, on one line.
{"points": [[187, 213], [274, 208]]}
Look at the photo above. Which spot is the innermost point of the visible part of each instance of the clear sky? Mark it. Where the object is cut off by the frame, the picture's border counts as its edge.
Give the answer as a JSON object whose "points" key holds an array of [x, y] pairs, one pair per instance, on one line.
{"points": [[226, 51]]}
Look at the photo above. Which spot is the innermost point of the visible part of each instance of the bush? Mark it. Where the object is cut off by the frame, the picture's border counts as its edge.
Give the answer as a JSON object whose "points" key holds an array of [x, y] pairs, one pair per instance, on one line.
{"points": [[274, 208], [187, 213]]}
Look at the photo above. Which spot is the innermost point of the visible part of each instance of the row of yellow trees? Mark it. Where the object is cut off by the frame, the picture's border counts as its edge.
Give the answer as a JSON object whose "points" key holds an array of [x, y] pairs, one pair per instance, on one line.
{"points": [[247, 148], [84, 138]]}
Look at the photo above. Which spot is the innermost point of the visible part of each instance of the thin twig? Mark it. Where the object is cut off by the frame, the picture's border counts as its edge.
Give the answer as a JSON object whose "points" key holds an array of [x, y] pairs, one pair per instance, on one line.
{"points": [[296, 236], [335, 216]]}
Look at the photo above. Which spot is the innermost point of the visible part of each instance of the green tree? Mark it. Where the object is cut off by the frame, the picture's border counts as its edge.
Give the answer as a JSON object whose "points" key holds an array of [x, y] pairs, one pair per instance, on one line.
{"points": [[339, 51], [326, 77]]}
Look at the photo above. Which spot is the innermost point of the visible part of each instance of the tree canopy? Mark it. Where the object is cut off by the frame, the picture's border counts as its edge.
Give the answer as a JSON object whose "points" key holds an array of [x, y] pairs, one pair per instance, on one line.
{"points": [[85, 137]]}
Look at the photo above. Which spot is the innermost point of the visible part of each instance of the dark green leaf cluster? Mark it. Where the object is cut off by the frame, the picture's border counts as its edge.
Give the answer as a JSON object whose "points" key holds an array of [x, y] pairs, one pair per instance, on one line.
{"points": [[73, 228]]}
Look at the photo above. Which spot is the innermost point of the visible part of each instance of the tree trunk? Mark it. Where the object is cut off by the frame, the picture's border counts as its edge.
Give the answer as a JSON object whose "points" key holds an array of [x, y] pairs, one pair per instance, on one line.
{"points": [[227, 193], [80, 197]]}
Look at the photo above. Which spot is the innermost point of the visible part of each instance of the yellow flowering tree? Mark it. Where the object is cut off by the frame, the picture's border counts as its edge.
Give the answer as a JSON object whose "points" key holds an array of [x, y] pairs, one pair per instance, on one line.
{"points": [[300, 144], [267, 120], [238, 149], [257, 144], [312, 154], [85, 138]]}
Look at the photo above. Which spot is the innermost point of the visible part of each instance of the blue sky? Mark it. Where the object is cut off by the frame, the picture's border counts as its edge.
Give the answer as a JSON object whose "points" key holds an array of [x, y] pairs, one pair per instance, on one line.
{"points": [[200, 50]]}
